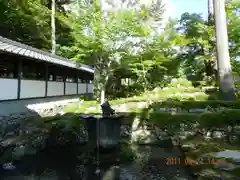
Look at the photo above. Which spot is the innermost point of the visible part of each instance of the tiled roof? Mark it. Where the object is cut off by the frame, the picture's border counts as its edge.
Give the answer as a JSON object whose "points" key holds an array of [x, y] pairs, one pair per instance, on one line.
{"points": [[14, 47]]}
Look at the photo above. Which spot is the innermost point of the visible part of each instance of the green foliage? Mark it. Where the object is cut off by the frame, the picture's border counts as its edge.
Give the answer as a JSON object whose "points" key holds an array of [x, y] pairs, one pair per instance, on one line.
{"points": [[210, 105], [28, 21], [123, 42], [205, 120]]}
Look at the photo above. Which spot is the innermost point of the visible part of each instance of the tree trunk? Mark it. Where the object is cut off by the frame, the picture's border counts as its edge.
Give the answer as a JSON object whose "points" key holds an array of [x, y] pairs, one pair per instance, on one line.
{"points": [[102, 97], [53, 28], [224, 66]]}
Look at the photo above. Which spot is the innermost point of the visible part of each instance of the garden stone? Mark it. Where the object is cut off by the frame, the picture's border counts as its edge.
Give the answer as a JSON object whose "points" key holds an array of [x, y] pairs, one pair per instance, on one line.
{"points": [[233, 138], [218, 134], [225, 166], [125, 130], [196, 110], [172, 110], [162, 109], [142, 136], [160, 133], [173, 80], [182, 135], [18, 152], [236, 129], [188, 147], [169, 100], [157, 89], [8, 166], [208, 135], [135, 124]]}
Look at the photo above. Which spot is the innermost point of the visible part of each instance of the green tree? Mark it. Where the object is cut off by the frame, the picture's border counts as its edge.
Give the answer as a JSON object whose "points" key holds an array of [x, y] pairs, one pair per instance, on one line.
{"points": [[29, 22]]}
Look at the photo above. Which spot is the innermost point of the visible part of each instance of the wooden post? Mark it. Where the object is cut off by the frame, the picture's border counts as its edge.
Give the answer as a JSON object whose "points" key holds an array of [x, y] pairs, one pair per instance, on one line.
{"points": [[19, 76], [46, 79]]}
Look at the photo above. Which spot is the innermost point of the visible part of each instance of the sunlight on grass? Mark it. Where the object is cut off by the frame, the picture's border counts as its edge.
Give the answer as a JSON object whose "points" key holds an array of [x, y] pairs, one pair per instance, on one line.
{"points": [[153, 96]]}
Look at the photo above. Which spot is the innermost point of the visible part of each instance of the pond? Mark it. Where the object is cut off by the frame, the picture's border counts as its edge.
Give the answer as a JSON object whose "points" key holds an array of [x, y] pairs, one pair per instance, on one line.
{"points": [[126, 163]]}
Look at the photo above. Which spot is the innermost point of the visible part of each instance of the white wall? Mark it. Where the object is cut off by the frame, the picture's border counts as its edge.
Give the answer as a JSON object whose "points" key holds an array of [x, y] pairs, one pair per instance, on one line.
{"points": [[82, 88], [55, 88], [90, 88], [8, 89], [32, 88], [71, 88]]}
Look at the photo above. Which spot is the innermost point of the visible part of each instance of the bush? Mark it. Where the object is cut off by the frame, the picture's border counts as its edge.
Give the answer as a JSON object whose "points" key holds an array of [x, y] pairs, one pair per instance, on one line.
{"points": [[186, 105], [124, 91], [204, 120]]}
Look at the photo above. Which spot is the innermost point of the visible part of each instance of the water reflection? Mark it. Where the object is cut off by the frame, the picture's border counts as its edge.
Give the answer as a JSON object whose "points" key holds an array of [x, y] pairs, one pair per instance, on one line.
{"points": [[145, 162]]}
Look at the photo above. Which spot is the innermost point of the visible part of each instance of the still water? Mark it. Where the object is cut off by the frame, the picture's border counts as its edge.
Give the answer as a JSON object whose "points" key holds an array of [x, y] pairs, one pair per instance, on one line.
{"points": [[129, 163]]}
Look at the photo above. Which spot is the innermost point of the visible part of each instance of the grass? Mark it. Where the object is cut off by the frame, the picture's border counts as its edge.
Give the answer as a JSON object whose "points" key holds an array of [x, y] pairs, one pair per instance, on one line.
{"points": [[183, 93]]}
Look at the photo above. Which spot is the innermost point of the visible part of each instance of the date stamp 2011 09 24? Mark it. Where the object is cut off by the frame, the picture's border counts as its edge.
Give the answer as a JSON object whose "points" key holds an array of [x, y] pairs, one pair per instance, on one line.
{"points": [[191, 162]]}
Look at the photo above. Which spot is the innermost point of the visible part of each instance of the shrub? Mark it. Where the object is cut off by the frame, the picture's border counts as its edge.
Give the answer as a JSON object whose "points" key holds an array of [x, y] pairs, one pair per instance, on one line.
{"points": [[198, 104], [208, 120]]}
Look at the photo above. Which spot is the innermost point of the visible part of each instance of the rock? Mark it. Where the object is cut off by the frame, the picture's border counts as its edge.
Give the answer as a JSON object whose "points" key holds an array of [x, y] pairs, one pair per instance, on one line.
{"points": [[236, 130], [169, 100], [162, 109], [173, 110], [157, 89], [8, 166], [233, 138], [142, 136], [182, 135], [148, 136], [196, 110], [225, 166], [18, 152], [174, 80], [165, 88], [160, 133], [125, 130], [135, 124], [188, 147], [218, 134], [208, 135]]}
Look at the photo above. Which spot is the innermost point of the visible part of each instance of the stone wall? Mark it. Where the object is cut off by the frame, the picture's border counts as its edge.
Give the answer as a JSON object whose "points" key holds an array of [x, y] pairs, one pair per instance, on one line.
{"points": [[18, 132], [16, 121]]}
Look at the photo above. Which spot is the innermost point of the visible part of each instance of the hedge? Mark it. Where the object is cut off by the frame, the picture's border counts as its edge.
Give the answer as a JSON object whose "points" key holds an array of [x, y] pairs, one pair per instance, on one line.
{"points": [[197, 104], [204, 120]]}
